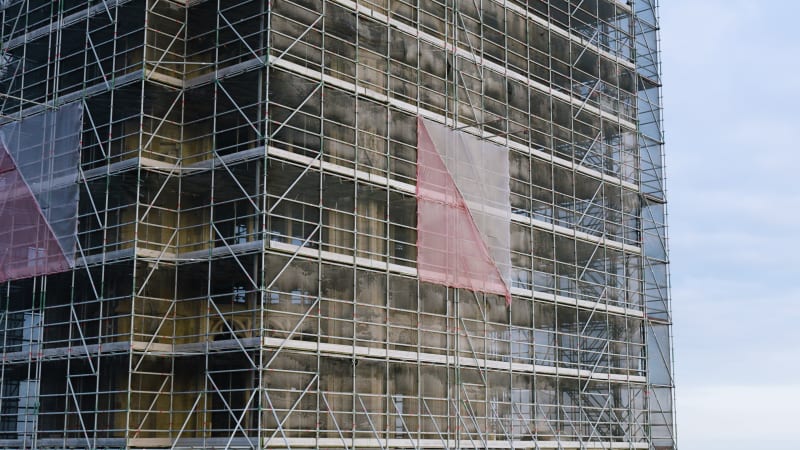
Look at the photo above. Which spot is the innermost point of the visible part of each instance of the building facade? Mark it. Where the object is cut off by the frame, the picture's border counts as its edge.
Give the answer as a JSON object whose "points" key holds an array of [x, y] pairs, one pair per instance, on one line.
{"points": [[333, 224]]}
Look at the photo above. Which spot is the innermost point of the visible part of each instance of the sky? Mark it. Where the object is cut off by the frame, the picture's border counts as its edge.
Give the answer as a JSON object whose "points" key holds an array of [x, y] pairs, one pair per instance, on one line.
{"points": [[731, 75]]}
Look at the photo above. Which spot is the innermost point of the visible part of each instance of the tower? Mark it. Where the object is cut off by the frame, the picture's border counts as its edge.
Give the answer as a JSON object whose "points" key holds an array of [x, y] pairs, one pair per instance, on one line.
{"points": [[333, 224]]}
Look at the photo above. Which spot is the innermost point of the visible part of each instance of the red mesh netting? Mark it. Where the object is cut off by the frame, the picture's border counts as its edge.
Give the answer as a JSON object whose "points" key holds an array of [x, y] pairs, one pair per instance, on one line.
{"points": [[451, 250], [28, 246]]}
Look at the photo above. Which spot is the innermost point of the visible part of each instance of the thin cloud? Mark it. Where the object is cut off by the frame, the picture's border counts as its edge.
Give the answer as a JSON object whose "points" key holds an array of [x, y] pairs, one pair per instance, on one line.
{"points": [[731, 121], [739, 417]]}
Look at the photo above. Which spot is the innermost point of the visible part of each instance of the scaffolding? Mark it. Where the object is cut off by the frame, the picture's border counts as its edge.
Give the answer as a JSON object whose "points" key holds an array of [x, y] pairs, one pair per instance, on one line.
{"points": [[234, 257]]}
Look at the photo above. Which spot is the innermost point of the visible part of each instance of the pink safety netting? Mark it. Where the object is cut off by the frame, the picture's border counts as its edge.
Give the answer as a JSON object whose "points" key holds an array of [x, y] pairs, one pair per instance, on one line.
{"points": [[39, 158], [463, 210], [28, 246]]}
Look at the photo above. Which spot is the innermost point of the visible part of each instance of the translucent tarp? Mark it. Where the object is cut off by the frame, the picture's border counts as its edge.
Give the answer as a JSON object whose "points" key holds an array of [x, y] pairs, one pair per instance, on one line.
{"points": [[39, 157], [463, 210]]}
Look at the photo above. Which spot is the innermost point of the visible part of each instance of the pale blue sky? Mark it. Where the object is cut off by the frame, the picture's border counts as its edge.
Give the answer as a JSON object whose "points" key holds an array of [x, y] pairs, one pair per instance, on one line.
{"points": [[731, 96]]}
